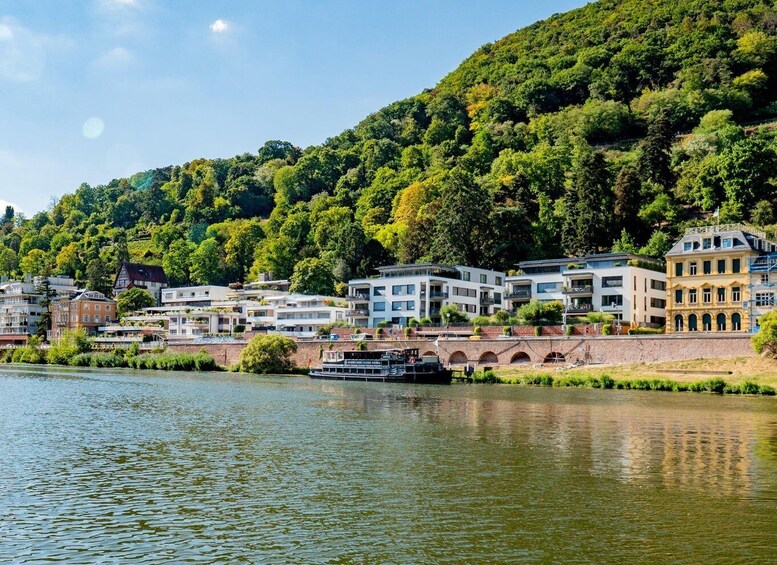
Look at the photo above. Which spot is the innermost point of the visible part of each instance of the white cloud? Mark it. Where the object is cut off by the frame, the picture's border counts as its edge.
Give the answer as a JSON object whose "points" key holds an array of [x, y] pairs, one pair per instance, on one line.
{"points": [[219, 26], [116, 58], [22, 55]]}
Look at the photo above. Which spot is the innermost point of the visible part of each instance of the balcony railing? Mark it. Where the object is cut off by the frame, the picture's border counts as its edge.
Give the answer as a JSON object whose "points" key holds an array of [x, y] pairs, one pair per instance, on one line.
{"points": [[586, 289], [438, 295], [358, 298], [358, 313], [487, 301], [579, 308], [518, 294]]}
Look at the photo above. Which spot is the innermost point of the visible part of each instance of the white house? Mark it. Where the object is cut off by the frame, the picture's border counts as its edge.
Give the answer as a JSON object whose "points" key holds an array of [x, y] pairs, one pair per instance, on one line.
{"points": [[203, 295], [403, 292], [302, 315], [21, 306], [631, 287]]}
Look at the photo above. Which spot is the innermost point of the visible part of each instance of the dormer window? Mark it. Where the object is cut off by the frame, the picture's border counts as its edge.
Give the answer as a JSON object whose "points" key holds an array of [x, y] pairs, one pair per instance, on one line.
{"points": [[728, 243], [706, 243], [687, 246]]}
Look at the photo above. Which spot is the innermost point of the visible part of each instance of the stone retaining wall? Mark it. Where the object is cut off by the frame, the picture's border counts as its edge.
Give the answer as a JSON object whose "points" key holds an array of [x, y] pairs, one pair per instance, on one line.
{"points": [[517, 350]]}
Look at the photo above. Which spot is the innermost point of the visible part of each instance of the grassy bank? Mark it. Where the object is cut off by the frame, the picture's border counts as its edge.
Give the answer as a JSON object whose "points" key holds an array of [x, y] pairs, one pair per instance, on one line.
{"points": [[744, 376], [117, 359]]}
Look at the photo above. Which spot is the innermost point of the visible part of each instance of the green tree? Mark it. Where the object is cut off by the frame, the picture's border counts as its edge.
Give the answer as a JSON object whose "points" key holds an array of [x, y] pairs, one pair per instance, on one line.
{"points": [[206, 263], [461, 224], [133, 299], [177, 261], [34, 263], [588, 206], [7, 260], [655, 162], [451, 315], [99, 277], [312, 276], [627, 197], [268, 354], [537, 313], [47, 294]]}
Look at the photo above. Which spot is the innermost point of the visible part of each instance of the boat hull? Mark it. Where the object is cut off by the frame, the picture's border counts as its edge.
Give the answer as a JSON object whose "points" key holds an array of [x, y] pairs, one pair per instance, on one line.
{"points": [[437, 378]]}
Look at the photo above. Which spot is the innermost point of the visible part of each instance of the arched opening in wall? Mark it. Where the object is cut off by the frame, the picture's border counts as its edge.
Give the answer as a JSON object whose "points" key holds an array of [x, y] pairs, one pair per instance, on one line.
{"points": [[692, 325], [555, 357], [429, 353], [678, 323], [520, 357], [736, 322], [488, 358], [720, 322], [457, 358], [706, 322]]}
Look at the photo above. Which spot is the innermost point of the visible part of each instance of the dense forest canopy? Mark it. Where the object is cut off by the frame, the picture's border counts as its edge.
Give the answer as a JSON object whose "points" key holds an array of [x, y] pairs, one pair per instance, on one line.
{"points": [[613, 126]]}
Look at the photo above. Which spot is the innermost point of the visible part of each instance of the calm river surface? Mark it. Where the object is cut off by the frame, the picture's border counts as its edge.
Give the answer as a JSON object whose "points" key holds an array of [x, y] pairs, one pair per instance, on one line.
{"points": [[120, 467]]}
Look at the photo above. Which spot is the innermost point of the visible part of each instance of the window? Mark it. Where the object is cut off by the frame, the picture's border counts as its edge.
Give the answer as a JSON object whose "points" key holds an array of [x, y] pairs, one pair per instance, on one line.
{"points": [[547, 287], [692, 268], [379, 291], [735, 294], [736, 322], [657, 303], [706, 295], [706, 322], [735, 265], [692, 296], [96, 319], [376, 321], [678, 323], [611, 282], [678, 269], [678, 296], [721, 294], [728, 243], [707, 266], [465, 275], [468, 292], [692, 326], [721, 266], [764, 299], [97, 307], [720, 321], [687, 246], [403, 289], [612, 300], [86, 306], [765, 278], [497, 298], [403, 305], [483, 279], [379, 307], [86, 318], [706, 243], [657, 285], [498, 281]]}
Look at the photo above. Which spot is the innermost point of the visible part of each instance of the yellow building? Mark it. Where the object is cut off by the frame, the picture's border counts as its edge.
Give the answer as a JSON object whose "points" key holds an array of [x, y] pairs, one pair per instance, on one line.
{"points": [[87, 309], [709, 278]]}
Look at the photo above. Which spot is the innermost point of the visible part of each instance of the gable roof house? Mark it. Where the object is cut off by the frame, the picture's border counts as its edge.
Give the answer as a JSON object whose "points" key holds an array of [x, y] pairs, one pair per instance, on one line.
{"points": [[136, 275]]}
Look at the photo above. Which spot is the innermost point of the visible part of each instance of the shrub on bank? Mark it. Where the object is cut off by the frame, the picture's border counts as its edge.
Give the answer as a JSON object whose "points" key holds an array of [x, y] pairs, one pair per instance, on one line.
{"points": [[98, 359], [173, 362], [269, 354]]}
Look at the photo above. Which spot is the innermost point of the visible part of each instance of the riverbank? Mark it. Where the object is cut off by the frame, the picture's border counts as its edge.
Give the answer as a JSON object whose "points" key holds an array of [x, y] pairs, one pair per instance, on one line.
{"points": [[746, 375]]}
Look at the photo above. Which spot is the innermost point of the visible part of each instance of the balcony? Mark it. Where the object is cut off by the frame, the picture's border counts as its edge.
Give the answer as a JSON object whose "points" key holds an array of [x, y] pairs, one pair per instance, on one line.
{"points": [[358, 313], [438, 295], [516, 294], [580, 290], [579, 308], [487, 301], [358, 298]]}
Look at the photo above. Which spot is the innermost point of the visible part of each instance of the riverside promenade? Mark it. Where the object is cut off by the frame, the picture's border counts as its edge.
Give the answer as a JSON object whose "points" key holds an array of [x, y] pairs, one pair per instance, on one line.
{"points": [[512, 351]]}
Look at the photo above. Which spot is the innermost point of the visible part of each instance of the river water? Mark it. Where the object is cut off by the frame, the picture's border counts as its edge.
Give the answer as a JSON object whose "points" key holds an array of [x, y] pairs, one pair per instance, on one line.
{"points": [[122, 467]]}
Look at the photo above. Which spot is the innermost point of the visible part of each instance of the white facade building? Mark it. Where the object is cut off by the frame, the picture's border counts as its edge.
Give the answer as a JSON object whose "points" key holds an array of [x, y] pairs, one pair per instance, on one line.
{"points": [[630, 287], [204, 295], [302, 315], [403, 292], [21, 305]]}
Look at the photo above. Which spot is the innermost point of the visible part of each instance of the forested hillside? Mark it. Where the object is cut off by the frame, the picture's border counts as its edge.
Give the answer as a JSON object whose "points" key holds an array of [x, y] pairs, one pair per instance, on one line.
{"points": [[561, 138]]}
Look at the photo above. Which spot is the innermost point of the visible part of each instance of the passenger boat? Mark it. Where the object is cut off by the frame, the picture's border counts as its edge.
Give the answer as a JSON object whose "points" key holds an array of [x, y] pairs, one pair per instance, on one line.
{"points": [[387, 365]]}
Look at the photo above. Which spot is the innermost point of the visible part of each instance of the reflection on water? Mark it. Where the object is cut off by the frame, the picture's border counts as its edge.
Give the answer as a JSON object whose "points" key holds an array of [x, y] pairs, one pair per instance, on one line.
{"points": [[143, 468]]}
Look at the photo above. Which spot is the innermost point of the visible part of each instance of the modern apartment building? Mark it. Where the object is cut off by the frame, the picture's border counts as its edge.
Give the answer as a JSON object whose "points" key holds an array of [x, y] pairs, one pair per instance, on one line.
{"points": [[21, 306], [630, 287], [402, 292], [87, 309], [720, 279], [302, 315], [204, 295]]}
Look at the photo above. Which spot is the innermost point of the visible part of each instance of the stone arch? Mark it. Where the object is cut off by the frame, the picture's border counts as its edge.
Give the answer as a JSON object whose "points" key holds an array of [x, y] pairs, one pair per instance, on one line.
{"points": [[678, 323], [706, 322], [720, 322], [555, 357], [520, 357], [488, 357], [457, 358], [736, 322], [429, 353]]}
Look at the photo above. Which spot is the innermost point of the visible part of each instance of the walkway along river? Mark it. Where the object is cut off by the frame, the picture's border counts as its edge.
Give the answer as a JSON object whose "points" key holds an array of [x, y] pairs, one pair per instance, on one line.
{"points": [[101, 466]]}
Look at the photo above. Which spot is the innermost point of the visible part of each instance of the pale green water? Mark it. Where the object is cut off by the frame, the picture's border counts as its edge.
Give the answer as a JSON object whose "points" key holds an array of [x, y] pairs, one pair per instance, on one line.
{"points": [[150, 468]]}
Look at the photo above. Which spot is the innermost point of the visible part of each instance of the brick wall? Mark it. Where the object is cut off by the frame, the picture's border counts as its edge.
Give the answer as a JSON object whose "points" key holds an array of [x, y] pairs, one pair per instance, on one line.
{"points": [[516, 350]]}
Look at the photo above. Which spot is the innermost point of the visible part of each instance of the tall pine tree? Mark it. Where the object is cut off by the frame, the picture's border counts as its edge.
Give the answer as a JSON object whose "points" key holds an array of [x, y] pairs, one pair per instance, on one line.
{"points": [[655, 162], [589, 206]]}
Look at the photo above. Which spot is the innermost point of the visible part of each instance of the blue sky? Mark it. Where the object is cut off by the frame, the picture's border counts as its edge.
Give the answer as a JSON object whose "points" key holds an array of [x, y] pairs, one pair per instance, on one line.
{"points": [[100, 89]]}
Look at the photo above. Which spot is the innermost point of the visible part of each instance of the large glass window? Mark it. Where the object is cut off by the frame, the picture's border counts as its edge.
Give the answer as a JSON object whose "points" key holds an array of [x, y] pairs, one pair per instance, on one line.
{"points": [[465, 275], [610, 282], [483, 279], [379, 291], [657, 303], [379, 307], [547, 287], [498, 281], [657, 285], [612, 300]]}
